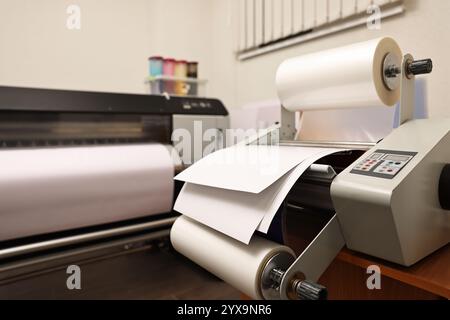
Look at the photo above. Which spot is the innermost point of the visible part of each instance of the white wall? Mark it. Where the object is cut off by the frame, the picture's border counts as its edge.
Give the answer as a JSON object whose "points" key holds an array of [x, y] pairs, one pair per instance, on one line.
{"points": [[224, 76], [424, 30], [182, 29], [110, 51]]}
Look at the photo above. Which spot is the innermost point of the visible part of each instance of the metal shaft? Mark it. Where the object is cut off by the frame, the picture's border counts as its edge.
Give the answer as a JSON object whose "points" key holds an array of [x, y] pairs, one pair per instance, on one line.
{"points": [[305, 290]]}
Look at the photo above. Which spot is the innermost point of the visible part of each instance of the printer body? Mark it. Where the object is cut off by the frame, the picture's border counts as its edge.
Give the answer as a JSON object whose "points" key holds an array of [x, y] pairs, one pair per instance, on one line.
{"points": [[42, 118]]}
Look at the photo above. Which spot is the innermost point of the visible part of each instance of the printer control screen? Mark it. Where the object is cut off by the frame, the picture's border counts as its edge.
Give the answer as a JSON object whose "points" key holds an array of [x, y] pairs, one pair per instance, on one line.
{"points": [[383, 163]]}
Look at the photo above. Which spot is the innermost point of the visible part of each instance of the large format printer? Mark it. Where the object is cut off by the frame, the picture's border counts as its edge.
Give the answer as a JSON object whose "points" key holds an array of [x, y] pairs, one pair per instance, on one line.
{"points": [[389, 199], [82, 171]]}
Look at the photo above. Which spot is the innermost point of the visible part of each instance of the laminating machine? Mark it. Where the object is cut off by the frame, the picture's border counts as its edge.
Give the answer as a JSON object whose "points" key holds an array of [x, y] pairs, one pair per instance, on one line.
{"points": [[388, 199]]}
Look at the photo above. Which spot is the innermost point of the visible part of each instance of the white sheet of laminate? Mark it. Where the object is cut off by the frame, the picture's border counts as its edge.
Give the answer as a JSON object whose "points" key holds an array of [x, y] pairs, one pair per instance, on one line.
{"points": [[246, 168], [239, 214]]}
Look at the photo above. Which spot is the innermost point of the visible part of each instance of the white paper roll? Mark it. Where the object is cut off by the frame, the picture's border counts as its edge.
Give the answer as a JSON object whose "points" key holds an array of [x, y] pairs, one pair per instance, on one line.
{"points": [[48, 190], [345, 77], [238, 264]]}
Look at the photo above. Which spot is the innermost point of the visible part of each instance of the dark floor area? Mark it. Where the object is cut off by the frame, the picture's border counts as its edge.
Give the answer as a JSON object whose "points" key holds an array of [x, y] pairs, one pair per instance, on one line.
{"points": [[156, 274]]}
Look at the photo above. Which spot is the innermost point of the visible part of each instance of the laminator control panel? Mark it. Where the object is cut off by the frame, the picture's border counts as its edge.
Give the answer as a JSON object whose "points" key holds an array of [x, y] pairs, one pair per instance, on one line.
{"points": [[383, 163]]}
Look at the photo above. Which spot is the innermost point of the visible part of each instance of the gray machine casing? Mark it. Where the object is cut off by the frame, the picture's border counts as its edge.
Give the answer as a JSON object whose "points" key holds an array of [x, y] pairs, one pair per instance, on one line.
{"points": [[198, 126], [397, 218]]}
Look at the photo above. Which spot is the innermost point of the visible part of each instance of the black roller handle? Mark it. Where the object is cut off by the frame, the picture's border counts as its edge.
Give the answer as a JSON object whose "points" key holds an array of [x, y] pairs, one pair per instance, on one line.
{"points": [[307, 290], [420, 67], [444, 188]]}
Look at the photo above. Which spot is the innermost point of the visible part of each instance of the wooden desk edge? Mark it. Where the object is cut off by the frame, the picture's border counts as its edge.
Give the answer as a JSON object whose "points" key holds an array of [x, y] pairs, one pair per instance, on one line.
{"points": [[355, 259]]}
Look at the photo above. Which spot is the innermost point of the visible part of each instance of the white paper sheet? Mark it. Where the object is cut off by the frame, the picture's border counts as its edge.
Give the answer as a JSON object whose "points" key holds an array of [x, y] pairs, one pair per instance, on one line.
{"points": [[285, 185], [48, 190], [238, 214], [234, 213], [246, 168]]}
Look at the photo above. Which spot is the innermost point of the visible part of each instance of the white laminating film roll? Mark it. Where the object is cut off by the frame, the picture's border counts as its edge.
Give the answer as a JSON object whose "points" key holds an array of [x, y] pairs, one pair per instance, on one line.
{"points": [[345, 77], [54, 189], [238, 264]]}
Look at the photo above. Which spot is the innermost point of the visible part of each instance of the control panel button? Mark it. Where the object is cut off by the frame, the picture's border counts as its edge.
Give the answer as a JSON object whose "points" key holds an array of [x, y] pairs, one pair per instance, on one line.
{"points": [[386, 164]]}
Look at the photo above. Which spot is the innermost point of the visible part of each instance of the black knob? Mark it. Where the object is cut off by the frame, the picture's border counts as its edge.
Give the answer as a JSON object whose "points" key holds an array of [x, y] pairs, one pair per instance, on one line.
{"points": [[307, 290], [444, 188], [420, 67]]}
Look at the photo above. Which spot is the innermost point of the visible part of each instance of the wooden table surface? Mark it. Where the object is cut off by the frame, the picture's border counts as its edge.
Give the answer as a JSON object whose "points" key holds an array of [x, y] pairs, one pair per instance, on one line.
{"points": [[346, 277], [431, 274]]}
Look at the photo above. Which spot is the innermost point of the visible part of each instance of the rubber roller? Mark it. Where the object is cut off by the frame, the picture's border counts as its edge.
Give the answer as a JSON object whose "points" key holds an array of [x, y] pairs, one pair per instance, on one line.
{"points": [[238, 264]]}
